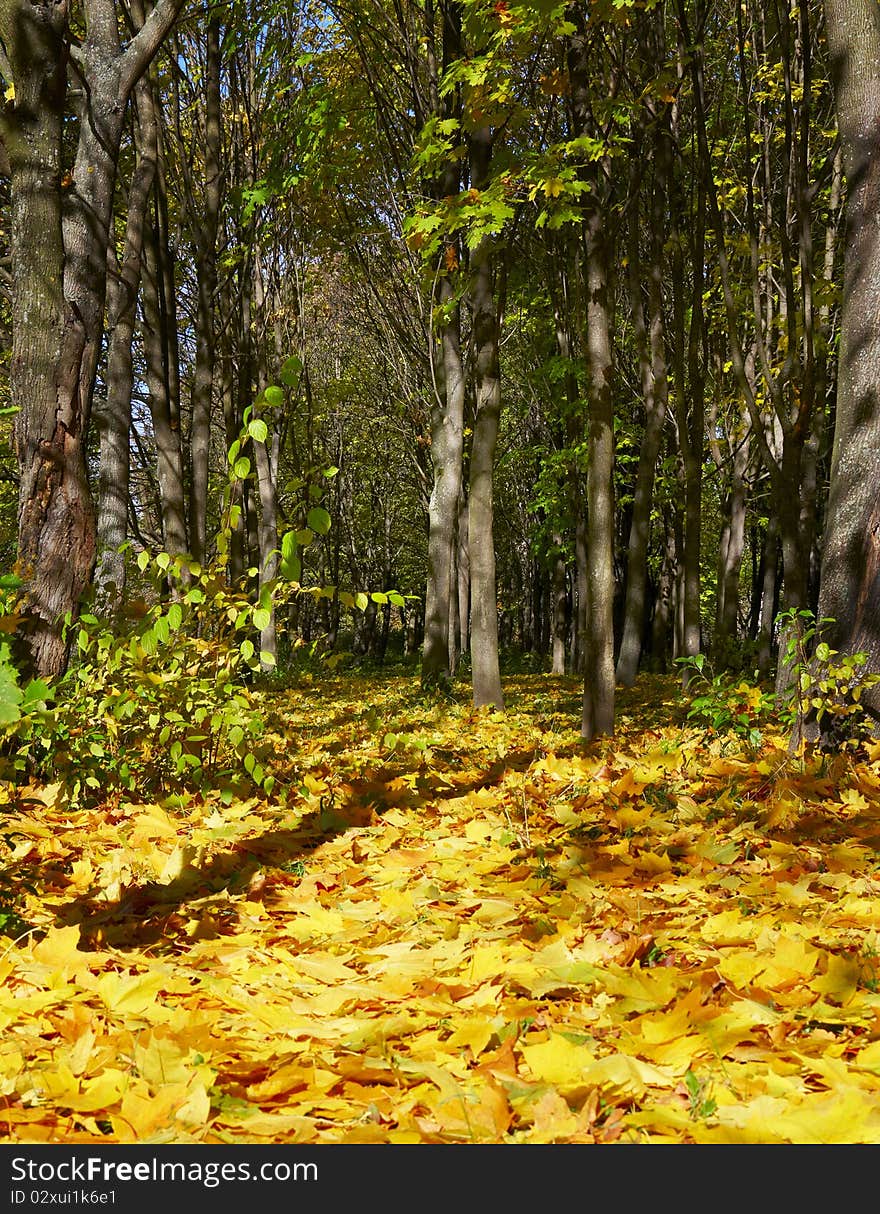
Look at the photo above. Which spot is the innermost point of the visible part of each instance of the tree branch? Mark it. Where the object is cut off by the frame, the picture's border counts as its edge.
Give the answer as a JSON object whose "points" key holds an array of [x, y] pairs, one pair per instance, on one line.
{"points": [[140, 51]]}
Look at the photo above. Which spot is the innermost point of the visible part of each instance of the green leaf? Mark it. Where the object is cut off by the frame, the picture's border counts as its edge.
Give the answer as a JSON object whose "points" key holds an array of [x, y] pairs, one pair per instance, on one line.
{"points": [[262, 618], [291, 569], [10, 692], [258, 430], [319, 520], [242, 468], [273, 395], [291, 369]]}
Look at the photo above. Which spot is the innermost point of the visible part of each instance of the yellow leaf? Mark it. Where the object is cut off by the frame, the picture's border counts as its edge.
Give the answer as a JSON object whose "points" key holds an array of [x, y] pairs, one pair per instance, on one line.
{"points": [[553, 1118], [474, 1033], [59, 950], [839, 981], [741, 967], [317, 921], [558, 1060], [792, 960], [130, 996], [628, 1076], [868, 1059], [99, 1093]]}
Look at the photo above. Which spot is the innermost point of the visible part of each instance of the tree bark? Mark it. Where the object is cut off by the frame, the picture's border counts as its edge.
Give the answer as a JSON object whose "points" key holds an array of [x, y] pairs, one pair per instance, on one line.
{"points": [[59, 283], [485, 669], [113, 416], [850, 571], [655, 392], [598, 705], [204, 227]]}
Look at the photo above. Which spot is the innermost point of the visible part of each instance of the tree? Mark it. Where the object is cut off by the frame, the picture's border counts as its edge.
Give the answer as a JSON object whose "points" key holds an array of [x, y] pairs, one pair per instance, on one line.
{"points": [[60, 235], [850, 573]]}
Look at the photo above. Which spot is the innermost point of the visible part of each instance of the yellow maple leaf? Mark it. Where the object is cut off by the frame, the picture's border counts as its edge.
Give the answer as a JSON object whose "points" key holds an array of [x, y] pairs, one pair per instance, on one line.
{"points": [[558, 1060]]}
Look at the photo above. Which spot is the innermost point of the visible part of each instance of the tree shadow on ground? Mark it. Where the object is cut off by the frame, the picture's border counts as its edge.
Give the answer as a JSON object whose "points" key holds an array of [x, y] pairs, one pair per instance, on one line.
{"points": [[151, 913], [155, 915]]}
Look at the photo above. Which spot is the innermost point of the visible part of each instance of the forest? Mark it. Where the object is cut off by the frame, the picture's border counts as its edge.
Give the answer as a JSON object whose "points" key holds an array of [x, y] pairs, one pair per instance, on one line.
{"points": [[439, 571]]}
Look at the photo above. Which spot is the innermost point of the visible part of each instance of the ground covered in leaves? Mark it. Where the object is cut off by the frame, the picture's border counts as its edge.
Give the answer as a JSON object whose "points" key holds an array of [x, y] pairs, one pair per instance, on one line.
{"points": [[454, 927]]}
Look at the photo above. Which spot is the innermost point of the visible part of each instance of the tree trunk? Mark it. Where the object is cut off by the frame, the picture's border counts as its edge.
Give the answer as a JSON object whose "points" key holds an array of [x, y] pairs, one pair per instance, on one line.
{"points": [[486, 674], [655, 392], [560, 607], [850, 573], [162, 379], [598, 705], [205, 226], [56, 547], [113, 417], [59, 272]]}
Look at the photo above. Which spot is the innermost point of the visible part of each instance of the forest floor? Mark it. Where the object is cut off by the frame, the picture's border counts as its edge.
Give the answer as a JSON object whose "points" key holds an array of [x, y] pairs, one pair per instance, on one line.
{"points": [[458, 926]]}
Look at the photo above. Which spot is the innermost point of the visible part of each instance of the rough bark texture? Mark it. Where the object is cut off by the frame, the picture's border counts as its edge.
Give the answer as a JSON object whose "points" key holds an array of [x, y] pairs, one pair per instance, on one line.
{"points": [[850, 573], [598, 705], [55, 515], [447, 410], [447, 442], [59, 283], [484, 605], [113, 415]]}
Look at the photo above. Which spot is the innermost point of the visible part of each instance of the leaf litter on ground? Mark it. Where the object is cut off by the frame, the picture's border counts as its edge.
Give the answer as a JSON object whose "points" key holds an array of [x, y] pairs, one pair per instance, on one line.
{"points": [[456, 926]]}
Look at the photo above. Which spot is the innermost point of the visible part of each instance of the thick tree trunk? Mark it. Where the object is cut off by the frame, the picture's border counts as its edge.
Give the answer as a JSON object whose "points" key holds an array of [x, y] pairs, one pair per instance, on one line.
{"points": [[598, 704], [59, 283], [56, 519], [485, 670], [447, 442], [850, 574]]}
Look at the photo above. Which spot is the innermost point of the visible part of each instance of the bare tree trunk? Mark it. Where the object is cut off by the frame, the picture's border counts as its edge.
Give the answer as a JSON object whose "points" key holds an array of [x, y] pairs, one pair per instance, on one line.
{"points": [[655, 391], [162, 380], [113, 417], [769, 593], [205, 226], [598, 705], [447, 444], [463, 564], [560, 607], [59, 283], [485, 670], [850, 577]]}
